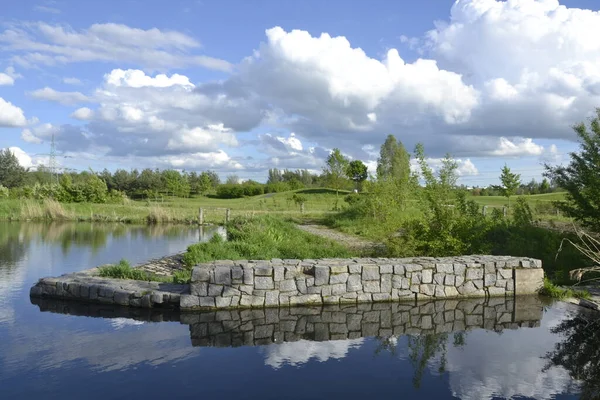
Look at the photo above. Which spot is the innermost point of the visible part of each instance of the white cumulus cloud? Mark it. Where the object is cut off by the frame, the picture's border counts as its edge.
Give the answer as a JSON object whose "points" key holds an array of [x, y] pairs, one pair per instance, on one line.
{"points": [[11, 115], [65, 98]]}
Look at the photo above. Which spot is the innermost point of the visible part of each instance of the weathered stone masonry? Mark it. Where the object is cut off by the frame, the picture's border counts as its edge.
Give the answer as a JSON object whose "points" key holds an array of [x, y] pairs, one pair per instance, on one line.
{"points": [[248, 284], [281, 283]]}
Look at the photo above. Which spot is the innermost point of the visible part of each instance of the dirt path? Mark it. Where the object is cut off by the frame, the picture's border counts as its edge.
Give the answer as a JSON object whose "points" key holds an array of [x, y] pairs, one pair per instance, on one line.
{"points": [[352, 242]]}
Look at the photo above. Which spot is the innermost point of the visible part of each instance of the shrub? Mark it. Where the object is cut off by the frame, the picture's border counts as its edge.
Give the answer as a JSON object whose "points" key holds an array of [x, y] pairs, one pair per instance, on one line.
{"points": [[123, 270]]}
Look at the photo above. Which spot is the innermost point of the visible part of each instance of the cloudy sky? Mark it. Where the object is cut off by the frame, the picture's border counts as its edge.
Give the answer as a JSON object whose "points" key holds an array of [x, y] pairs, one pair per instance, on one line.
{"points": [[240, 87]]}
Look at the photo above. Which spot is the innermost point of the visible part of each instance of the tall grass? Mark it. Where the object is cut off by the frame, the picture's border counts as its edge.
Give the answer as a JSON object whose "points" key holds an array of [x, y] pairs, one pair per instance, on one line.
{"points": [[262, 238], [49, 209], [123, 270]]}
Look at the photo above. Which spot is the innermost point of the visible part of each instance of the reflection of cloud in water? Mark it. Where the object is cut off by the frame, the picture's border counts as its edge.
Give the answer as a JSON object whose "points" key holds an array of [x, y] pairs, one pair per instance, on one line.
{"points": [[120, 323], [55, 348], [508, 365], [300, 352]]}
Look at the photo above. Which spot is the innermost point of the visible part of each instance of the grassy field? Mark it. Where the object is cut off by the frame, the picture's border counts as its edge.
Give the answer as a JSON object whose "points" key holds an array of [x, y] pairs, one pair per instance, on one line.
{"points": [[320, 202]]}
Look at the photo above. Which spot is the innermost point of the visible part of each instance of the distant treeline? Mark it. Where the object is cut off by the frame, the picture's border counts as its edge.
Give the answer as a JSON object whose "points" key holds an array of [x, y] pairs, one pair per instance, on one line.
{"points": [[107, 186]]}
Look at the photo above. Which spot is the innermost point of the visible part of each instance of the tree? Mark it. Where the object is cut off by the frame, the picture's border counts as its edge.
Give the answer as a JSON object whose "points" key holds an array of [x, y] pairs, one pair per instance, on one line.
{"points": [[335, 170], [510, 182], [394, 160], [12, 174], [232, 180], [204, 183], [581, 178], [357, 172], [545, 186]]}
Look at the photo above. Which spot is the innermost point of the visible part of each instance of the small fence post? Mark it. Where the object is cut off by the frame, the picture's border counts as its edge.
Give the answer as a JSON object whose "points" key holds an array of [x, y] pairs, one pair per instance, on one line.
{"points": [[227, 215], [484, 210], [201, 216], [504, 211]]}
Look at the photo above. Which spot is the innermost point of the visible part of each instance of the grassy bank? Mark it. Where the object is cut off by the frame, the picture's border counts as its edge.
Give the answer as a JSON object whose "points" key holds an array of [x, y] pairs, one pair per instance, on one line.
{"points": [[320, 203], [171, 210]]}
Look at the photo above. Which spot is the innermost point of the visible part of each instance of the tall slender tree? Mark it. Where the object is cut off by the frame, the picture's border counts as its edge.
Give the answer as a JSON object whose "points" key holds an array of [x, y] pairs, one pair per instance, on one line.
{"points": [[510, 182], [12, 174], [335, 170]]}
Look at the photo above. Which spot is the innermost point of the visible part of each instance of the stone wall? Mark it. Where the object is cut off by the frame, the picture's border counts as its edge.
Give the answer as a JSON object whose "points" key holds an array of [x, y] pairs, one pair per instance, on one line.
{"points": [[275, 283]]}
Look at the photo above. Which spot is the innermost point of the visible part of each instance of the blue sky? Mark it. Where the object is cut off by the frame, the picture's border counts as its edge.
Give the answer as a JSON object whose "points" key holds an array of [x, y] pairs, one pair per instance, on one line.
{"points": [[243, 86]]}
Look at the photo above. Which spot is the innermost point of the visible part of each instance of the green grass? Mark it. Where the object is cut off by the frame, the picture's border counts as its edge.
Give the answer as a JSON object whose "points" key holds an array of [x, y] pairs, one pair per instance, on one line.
{"points": [[123, 270], [263, 238], [178, 210], [556, 292]]}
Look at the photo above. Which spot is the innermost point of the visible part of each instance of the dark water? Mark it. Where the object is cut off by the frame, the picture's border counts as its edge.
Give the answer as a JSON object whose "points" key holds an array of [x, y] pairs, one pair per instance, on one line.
{"points": [[523, 348]]}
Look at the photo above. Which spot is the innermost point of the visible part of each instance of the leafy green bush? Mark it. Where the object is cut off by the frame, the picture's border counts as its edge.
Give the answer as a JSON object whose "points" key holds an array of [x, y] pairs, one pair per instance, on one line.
{"points": [[263, 238]]}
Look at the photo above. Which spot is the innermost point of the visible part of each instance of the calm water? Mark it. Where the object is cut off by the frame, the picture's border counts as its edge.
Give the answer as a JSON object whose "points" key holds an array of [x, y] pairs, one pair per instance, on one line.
{"points": [[53, 349]]}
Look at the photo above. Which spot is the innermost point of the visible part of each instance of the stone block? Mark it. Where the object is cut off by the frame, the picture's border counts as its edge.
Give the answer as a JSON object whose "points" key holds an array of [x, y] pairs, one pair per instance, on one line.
{"points": [[478, 284], [474, 273], [444, 268], [439, 291], [263, 270], [386, 269], [449, 280], [199, 288], [427, 276], [364, 297], [416, 278], [84, 291], [427, 289], [288, 285], [382, 297], [354, 283], [451, 291], [338, 269], [263, 283], [338, 289], [122, 298], [188, 301], [439, 278], [237, 274], [278, 273], [459, 280], [272, 298], [386, 283], [331, 299], [207, 301], [200, 274], [371, 286], [355, 268], [413, 267], [223, 275], [528, 281], [301, 285], [246, 289], [468, 288], [305, 299], [222, 302], [399, 270], [338, 278], [248, 275], [325, 290], [228, 291], [459, 269], [215, 290], [370, 273], [489, 279], [510, 285], [321, 275]]}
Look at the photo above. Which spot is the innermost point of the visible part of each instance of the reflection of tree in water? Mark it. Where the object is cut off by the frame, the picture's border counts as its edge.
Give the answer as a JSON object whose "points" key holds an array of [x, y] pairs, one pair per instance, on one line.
{"points": [[422, 350], [579, 352], [12, 247]]}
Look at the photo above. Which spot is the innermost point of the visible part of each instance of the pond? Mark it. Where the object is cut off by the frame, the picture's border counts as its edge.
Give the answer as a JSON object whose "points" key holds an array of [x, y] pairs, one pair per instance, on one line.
{"points": [[476, 349]]}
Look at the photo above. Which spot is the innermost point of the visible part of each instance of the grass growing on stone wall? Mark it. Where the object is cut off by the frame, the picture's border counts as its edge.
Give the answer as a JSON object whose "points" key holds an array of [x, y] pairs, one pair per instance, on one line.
{"points": [[556, 292], [123, 270], [263, 238]]}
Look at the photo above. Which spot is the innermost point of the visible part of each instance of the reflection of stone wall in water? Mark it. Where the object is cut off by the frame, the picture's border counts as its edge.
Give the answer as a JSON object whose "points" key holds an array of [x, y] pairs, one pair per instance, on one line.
{"points": [[252, 327]]}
